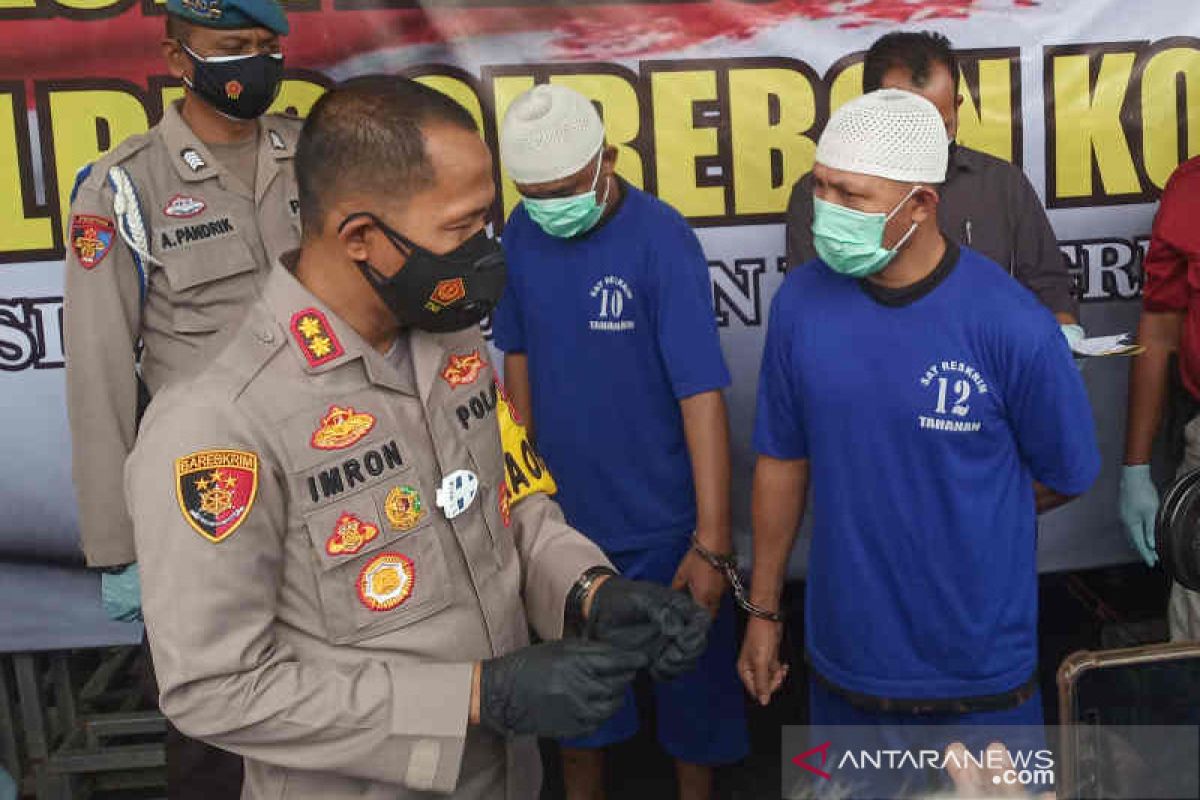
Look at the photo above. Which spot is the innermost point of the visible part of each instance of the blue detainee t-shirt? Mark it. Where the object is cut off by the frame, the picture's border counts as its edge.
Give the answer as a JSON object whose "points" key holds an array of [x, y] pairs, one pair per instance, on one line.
{"points": [[618, 327], [925, 426]]}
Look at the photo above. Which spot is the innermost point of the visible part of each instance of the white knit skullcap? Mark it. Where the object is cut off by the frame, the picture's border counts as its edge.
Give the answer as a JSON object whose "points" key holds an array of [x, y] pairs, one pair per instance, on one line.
{"points": [[550, 132], [888, 133]]}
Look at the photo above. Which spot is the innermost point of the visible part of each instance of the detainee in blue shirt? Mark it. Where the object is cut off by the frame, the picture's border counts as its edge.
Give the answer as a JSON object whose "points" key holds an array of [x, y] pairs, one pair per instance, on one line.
{"points": [[933, 407], [613, 360]]}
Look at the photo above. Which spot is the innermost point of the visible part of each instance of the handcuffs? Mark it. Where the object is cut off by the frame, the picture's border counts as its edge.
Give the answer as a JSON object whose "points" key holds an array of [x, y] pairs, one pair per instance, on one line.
{"points": [[727, 566]]}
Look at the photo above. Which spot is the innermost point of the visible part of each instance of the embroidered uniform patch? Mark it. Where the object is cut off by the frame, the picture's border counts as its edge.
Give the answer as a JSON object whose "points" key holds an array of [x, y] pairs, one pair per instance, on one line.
{"points": [[216, 490], [446, 293], [386, 581], [403, 508], [341, 427], [91, 238], [233, 89], [457, 492], [463, 370], [525, 471], [350, 534], [317, 340], [184, 207]]}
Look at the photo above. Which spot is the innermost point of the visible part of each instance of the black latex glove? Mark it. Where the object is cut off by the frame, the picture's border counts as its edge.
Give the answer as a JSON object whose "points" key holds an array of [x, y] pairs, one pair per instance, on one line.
{"points": [[667, 626], [558, 689]]}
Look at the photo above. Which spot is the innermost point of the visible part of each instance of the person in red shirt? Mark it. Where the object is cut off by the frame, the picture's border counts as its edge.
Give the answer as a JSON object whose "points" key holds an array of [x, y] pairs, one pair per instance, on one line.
{"points": [[1170, 323]]}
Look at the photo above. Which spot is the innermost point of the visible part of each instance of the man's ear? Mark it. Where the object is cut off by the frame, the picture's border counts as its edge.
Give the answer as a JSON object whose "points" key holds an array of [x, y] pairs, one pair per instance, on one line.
{"points": [[355, 235], [178, 64], [925, 205], [608, 161]]}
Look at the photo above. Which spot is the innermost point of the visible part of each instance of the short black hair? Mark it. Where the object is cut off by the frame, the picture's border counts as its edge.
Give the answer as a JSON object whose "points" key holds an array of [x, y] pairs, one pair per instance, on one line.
{"points": [[916, 52], [367, 134]]}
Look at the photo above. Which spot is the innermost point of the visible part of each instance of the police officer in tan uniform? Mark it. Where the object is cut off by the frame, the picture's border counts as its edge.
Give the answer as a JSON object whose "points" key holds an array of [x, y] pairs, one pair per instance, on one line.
{"points": [[170, 238], [345, 535]]}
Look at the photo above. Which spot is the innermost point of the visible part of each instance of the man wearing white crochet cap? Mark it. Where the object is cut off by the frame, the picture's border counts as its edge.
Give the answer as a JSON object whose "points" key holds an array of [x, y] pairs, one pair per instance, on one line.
{"points": [[933, 406], [613, 359]]}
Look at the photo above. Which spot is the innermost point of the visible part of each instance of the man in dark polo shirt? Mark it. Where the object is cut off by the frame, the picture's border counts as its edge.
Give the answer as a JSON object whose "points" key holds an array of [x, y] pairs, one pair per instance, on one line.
{"points": [[986, 203]]}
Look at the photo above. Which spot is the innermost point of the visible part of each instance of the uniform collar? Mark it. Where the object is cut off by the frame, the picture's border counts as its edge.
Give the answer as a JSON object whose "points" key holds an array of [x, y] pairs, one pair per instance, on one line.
{"points": [[320, 341], [194, 162], [276, 145]]}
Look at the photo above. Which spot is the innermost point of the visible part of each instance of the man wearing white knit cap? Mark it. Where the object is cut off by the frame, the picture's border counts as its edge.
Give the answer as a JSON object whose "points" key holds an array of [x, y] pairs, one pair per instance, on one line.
{"points": [[612, 357], [934, 407]]}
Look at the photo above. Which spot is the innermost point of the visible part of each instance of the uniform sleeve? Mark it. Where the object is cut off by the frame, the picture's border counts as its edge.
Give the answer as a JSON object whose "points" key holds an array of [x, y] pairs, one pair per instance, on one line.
{"points": [[211, 612], [799, 221], [779, 420], [553, 557], [1037, 261], [1051, 417], [101, 319], [686, 323], [1165, 268]]}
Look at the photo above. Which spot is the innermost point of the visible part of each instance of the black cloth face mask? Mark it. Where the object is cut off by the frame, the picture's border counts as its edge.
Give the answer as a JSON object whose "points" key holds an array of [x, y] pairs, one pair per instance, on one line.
{"points": [[438, 293], [242, 87]]}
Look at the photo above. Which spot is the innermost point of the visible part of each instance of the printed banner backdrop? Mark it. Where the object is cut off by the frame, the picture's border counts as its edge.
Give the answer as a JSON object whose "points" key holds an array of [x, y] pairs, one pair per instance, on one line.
{"points": [[715, 105]]}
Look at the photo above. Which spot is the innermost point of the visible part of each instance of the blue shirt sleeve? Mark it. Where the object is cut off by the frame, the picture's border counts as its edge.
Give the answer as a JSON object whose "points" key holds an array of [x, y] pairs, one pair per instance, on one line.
{"points": [[508, 327], [779, 420], [687, 325], [1051, 418]]}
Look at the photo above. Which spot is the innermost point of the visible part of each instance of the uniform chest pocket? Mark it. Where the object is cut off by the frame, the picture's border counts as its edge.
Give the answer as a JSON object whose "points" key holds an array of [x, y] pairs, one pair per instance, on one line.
{"points": [[210, 279], [380, 562]]}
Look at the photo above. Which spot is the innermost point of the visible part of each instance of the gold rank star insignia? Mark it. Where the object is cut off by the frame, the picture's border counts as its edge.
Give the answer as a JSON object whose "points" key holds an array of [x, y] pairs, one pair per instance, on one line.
{"points": [[315, 336], [320, 346], [309, 327]]}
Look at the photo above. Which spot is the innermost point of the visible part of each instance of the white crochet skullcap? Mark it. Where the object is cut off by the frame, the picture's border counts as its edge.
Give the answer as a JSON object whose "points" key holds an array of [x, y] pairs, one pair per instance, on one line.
{"points": [[550, 132], [888, 133]]}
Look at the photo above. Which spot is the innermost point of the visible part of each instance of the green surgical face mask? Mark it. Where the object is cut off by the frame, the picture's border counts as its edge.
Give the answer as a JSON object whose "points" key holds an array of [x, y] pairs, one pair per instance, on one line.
{"points": [[566, 217], [851, 242]]}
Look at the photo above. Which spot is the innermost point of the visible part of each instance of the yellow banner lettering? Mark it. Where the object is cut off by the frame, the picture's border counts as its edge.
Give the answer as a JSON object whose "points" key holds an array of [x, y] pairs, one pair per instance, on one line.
{"points": [[847, 85], [770, 111], [679, 144], [988, 126], [1087, 124], [18, 233], [1161, 114]]}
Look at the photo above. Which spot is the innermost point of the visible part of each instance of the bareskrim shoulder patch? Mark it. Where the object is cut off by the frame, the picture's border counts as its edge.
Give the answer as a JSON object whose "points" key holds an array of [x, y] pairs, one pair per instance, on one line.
{"points": [[216, 490], [316, 338]]}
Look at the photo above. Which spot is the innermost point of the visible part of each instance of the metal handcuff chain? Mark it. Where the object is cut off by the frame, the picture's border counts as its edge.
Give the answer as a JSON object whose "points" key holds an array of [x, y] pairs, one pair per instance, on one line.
{"points": [[727, 565]]}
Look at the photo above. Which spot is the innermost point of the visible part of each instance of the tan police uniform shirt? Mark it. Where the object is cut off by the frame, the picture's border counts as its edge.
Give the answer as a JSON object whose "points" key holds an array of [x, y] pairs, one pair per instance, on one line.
{"points": [[310, 606], [208, 243]]}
